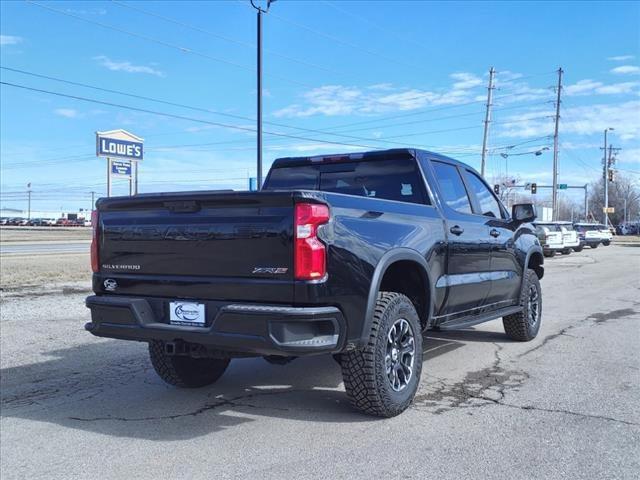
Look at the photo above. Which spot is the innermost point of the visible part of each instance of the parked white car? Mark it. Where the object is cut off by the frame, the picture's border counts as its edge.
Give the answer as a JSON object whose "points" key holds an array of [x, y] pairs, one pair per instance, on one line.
{"points": [[570, 240], [550, 236], [607, 236], [590, 234]]}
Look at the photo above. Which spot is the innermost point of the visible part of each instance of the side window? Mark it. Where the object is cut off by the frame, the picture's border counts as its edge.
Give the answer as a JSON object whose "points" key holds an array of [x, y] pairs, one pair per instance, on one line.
{"points": [[488, 204], [451, 187]]}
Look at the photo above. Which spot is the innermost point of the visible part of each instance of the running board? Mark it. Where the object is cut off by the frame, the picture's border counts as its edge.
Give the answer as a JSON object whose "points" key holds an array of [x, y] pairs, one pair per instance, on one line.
{"points": [[470, 321]]}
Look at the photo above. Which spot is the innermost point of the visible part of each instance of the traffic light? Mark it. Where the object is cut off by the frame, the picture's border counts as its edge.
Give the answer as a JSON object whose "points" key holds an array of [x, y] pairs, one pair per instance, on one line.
{"points": [[534, 188], [496, 189], [611, 177]]}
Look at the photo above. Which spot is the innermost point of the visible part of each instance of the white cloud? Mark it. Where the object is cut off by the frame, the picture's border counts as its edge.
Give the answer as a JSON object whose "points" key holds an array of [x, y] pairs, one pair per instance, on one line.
{"points": [[465, 80], [89, 12], [621, 58], [629, 155], [583, 120], [333, 100], [589, 87], [126, 66], [507, 75], [67, 112], [626, 70], [10, 40]]}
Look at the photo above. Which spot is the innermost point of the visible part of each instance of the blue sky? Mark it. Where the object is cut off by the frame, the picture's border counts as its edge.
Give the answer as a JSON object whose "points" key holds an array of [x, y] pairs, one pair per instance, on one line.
{"points": [[368, 74]]}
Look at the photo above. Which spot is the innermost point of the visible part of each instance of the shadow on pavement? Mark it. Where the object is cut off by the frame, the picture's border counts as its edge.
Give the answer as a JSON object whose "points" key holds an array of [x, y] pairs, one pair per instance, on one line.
{"points": [[108, 387]]}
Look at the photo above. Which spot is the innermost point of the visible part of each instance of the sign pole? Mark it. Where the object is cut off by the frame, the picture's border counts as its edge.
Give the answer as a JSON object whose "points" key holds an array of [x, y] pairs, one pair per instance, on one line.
{"points": [[108, 176], [135, 191]]}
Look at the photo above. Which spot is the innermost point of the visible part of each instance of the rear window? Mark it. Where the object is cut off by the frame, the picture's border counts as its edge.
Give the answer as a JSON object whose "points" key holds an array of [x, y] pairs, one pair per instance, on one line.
{"points": [[397, 179]]}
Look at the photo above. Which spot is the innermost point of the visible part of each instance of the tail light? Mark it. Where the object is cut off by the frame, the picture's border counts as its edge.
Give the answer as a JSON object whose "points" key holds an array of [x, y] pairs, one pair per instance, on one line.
{"points": [[310, 258], [95, 261]]}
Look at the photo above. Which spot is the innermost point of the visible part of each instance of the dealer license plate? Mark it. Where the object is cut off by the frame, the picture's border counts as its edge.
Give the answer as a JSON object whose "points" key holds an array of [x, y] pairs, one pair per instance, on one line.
{"points": [[187, 313]]}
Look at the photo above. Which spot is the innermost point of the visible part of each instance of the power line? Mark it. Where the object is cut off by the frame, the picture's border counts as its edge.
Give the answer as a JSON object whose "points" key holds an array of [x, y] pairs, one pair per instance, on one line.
{"points": [[221, 37], [163, 43], [206, 110], [345, 43], [373, 24], [179, 117]]}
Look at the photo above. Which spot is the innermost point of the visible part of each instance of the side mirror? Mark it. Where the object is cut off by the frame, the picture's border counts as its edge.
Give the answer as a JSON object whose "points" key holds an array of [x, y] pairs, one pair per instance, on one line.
{"points": [[523, 212]]}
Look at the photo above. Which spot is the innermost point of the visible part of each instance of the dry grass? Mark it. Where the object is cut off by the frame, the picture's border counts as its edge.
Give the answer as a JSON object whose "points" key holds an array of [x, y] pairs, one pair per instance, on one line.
{"points": [[44, 271], [44, 234]]}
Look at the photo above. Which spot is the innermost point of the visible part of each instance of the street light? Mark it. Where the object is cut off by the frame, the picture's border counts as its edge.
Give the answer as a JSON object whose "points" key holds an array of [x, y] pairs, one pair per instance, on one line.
{"points": [[259, 81], [606, 178]]}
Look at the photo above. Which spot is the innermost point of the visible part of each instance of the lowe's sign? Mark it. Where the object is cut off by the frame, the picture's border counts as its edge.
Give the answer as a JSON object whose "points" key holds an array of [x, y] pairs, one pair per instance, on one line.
{"points": [[119, 144]]}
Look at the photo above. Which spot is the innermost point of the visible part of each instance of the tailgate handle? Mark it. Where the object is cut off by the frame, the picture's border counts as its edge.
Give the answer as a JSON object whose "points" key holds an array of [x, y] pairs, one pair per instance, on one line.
{"points": [[185, 206]]}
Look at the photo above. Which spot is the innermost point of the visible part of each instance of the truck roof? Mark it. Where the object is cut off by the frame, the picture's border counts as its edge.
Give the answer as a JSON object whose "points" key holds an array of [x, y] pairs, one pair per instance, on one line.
{"points": [[357, 156]]}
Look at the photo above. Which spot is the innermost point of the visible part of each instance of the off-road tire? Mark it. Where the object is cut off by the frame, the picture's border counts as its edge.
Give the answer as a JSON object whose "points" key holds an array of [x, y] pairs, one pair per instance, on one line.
{"points": [[183, 371], [519, 325], [364, 371]]}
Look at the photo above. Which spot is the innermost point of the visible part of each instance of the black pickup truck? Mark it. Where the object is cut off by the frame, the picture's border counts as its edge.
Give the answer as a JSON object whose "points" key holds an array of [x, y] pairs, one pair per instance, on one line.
{"points": [[353, 255]]}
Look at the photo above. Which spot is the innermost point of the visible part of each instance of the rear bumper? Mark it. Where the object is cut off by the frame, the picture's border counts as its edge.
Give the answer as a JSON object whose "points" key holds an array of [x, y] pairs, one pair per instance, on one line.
{"points": [[235, 328]]}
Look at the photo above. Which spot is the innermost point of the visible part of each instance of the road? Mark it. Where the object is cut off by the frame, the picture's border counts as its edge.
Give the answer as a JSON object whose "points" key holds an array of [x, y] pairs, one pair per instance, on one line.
{"points": [[43, 248], [566, 405]]}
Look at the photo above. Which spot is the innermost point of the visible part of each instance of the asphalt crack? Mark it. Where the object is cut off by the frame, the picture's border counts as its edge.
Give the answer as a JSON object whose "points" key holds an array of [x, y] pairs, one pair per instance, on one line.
{"points": [[239, 401], [597, 318], [559, 410]]}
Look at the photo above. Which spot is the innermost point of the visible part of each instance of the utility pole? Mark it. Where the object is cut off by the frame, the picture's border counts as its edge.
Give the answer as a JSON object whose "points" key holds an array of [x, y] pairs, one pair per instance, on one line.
{"points": [[29, 201], [605, 168], [554, 197], [259, 92], [586, 202], [487, 119], [93, 200]]}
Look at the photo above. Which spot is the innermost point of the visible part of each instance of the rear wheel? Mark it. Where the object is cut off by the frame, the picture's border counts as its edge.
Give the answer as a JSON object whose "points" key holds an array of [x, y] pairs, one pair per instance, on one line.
{"points": [[184, 371], [524, 325], [578, 249], [566, 251], [594, 245], [550, 253], [382, 378], [606, 243]]}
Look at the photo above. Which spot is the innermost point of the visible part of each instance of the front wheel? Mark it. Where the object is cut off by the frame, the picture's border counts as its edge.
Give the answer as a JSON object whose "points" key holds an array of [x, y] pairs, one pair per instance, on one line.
{"points": [[524, 325], [550, 253], [606, 243], [184, 371], [578, 249], [383, 378], [594, 245]]}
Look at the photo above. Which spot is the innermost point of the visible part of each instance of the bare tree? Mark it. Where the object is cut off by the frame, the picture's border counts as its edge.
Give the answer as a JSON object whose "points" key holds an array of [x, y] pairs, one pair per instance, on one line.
{"points": [[623, 188]]}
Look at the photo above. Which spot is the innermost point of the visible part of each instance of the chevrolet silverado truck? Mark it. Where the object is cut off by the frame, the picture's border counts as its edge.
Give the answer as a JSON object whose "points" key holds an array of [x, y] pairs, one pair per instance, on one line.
{"points": [[353, 255]]}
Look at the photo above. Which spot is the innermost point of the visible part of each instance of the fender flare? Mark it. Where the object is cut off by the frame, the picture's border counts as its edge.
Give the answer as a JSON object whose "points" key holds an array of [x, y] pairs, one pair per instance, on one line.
{"points": [[390, 257], [532, 250]]}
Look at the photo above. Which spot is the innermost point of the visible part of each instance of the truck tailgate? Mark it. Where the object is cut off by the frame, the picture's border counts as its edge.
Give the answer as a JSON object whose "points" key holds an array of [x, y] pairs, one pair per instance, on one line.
{"points": [[209, 240]]}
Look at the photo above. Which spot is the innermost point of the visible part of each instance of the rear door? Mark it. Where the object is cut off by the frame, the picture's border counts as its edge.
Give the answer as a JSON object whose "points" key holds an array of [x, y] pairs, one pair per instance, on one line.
{"points": [[469, 248], [506, 272]]}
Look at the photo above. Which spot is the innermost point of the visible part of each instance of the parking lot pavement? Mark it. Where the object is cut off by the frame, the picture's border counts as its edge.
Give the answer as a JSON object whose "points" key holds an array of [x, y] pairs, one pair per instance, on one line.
{"points": [[566, 405]]}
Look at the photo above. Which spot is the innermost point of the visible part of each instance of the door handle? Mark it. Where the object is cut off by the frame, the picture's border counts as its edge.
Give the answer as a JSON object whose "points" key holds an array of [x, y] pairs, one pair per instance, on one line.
{"points": [[494, 233], [456, 230]]}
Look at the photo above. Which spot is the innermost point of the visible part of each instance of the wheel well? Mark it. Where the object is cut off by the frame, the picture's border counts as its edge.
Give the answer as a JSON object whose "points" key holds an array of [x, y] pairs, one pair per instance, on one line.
{"points": [[410, 279], [535, 264]]}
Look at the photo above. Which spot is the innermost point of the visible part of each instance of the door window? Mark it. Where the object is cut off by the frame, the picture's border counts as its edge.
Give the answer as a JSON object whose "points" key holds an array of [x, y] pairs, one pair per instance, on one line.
{"points": [[488, 204], [452, 187]]}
